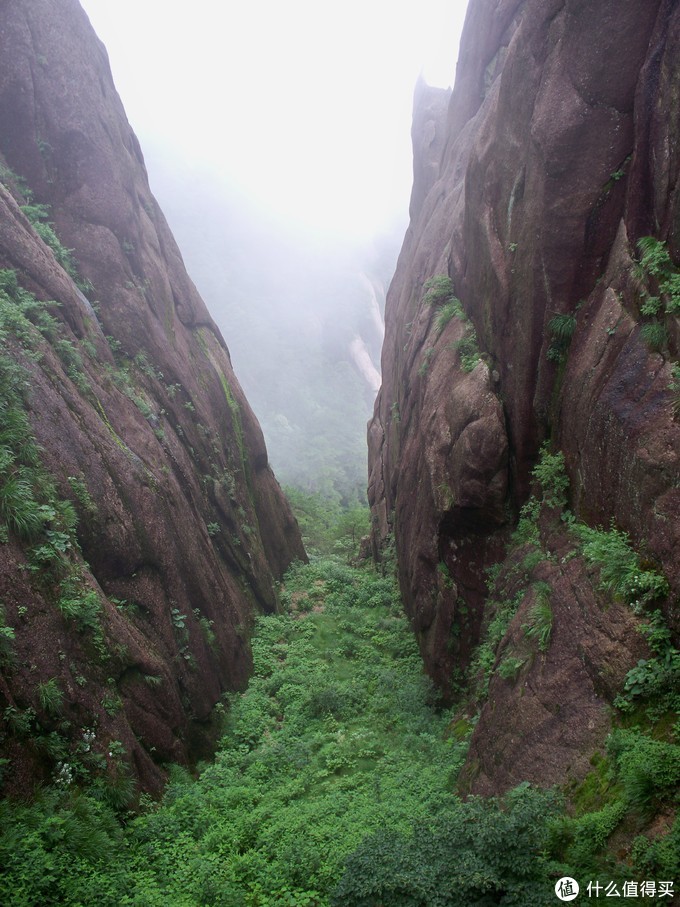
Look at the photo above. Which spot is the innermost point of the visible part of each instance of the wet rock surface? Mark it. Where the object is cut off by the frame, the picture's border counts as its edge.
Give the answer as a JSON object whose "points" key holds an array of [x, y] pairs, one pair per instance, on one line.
{"points": [[183, 529], [558, 156]]}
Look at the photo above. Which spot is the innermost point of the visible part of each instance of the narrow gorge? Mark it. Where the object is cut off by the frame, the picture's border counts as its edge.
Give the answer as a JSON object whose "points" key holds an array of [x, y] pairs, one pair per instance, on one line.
{"points": [[478, 701]]}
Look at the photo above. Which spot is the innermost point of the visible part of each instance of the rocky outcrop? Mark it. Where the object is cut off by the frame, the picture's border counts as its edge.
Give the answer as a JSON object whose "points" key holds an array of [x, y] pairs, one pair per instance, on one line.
{"points": [[559, 156], [137, 621]]}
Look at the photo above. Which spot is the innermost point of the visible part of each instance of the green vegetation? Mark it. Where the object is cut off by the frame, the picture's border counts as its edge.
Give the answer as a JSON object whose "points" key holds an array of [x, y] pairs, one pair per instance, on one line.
{"points": [[550, 473], [81, 605], [561, 328], [35, 514], [327, 526], [439, 292], [334, 785], [7, 637], [426, 361], [657, 267], [540, 617], [621, 571], [39, 218], [15, 183], [236, 424], [335, 739], [448, 311], [39, 215], [29, 504], [50, 697], [468, 349], [500, 610], [638, 778], [655, 335], [654, 681], [674, 388], [510, 666], [659, 285], [480, 852]]}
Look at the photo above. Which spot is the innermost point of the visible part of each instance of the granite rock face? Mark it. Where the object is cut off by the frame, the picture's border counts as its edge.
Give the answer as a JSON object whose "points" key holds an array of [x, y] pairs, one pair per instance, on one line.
{"points": [[182, 528], [559, 154]]}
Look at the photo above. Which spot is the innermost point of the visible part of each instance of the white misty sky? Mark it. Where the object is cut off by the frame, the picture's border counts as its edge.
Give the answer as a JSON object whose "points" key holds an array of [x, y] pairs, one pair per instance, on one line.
{"points": [[304, 105]]}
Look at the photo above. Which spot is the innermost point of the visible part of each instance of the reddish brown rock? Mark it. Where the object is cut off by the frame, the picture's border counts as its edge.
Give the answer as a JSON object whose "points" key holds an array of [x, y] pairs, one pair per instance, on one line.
{"points": [[560, 153], [187, 529], [542, 721]]}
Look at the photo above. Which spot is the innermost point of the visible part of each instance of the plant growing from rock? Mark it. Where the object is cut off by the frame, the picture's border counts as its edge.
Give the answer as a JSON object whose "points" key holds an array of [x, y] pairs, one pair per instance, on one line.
{"points": [[539, 626], [425, 363], [440, 293], [510, 667], [51, 697], [6, 639], [654, 680], [468, 349], [621, 571], [561, 328], [550, 473], [448, 311], [655, 335], [439, 290], [657, 264]]}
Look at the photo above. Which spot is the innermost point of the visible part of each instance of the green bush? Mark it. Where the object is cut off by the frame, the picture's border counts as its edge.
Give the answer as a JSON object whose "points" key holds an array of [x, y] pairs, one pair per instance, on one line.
{"points": [[327, 525], [7, 637], [447, 312], [656, 263], [479, 852], [51, 697], [658, 857], [510, 667], [550, 473], [426, 361], [540, 622], [439, 290], [621, 571], [648, 770], [468, 349], [561, 328], [655, 680], [29, 505], [332, 784], [38, 216], [440, 293], [81, 605], [655, 335]]}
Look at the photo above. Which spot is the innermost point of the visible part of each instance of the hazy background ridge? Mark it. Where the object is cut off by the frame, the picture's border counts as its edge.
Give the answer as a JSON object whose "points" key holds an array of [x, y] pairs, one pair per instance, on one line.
{"points": [[278, 144]]}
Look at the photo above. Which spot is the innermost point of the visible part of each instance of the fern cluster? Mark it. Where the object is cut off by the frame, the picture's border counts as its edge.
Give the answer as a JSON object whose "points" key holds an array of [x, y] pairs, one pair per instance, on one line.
{"points": [[561, 328], [659, 281], [656, 262]]}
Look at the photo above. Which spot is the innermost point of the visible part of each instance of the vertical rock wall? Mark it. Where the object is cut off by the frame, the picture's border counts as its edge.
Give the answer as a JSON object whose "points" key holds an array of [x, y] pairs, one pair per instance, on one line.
{"points": [[182, 528], [558, 154]]}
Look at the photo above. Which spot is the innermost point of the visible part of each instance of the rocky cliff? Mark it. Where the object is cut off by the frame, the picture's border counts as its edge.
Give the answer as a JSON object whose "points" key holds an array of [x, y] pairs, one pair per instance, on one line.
{"points": [[543, 320], [142, 528]]}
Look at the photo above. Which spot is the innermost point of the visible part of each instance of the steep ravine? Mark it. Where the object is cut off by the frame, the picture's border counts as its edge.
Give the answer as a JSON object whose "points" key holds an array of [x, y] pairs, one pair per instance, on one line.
{"points": [[122, 630], [555, 154]]}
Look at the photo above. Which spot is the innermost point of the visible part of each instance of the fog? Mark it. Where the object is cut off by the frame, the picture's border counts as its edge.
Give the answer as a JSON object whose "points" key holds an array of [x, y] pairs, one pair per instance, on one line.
{"points": [[277, 140]]}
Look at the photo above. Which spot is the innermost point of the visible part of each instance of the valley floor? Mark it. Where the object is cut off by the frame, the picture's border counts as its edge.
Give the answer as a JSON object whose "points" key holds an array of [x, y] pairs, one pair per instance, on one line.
{"points": [[334, 784]]}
